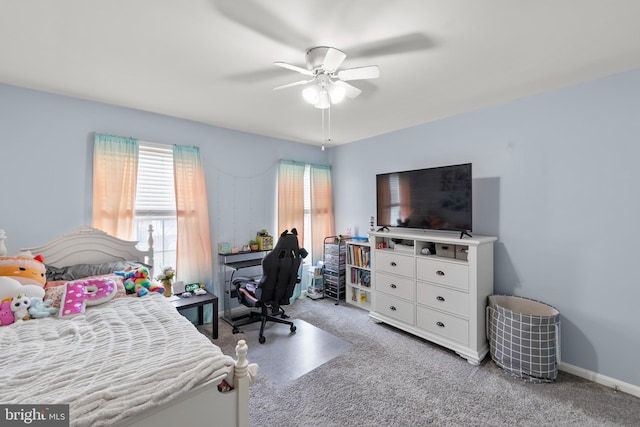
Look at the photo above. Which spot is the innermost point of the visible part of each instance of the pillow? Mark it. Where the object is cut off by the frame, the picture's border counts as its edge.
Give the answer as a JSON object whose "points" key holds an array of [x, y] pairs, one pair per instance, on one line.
{"points": [[80, 271], [54, 290]]}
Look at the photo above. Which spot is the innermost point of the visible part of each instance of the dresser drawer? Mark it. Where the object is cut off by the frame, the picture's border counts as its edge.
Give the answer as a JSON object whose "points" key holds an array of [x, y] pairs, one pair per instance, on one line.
{"points": [[402, 287], [394, 307], [446, 326], [394, 263], [442, 298], [446, 273]]}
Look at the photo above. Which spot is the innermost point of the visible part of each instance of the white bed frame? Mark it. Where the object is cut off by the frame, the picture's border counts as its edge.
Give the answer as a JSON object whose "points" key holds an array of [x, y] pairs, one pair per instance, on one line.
{"points": [[88, 245], [205, 406]]}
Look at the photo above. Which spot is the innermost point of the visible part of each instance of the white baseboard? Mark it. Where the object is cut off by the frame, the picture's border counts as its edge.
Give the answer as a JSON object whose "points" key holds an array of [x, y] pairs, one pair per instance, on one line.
{"points": [[604, 380]]}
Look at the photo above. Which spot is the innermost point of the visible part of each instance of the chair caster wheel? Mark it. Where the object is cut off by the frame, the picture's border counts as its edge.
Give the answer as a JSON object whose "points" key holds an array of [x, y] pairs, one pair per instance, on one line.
{"points": [[261, 339], [292, 329], [235, 330]]}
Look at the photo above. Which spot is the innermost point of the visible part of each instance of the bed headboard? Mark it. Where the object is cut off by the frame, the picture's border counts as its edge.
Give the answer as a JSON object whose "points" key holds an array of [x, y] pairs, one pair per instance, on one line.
{"points": [[88, 245]]}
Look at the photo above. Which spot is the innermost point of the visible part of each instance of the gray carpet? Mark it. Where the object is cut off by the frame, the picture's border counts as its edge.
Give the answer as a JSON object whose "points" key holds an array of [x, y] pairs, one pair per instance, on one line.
{"points": [[389, 378]]}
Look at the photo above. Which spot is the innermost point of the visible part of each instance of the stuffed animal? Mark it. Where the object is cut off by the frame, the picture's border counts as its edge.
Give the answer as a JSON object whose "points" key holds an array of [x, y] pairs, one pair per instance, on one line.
{"points": [[39, 309], [6, 315], [11, 288], [137, 282], [20, 307], [25, 268], [79, 294]]}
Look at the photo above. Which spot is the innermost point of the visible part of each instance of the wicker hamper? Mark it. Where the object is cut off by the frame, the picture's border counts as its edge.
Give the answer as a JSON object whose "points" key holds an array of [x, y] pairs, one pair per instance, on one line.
{"points": [[523, 337]]}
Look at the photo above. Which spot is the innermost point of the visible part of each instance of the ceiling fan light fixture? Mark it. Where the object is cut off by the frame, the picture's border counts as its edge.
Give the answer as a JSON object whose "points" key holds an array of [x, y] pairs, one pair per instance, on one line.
{"points": [[311, 94], [336, 93], [323, 100]]}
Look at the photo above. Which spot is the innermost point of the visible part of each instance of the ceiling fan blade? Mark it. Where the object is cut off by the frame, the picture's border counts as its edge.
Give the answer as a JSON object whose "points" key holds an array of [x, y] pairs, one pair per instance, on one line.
{"points": [[293, 68], [333, 59], [274, 26], [298, 83], [359, 73], [350, 90], [412, 42]]}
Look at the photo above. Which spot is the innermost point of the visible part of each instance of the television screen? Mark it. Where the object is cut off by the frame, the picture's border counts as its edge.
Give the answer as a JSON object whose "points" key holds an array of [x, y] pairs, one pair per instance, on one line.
{"points": [[435, 198]]}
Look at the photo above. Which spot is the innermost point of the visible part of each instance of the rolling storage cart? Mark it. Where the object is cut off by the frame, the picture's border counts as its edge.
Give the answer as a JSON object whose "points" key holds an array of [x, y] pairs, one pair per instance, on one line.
{"points": [[333, 273]]}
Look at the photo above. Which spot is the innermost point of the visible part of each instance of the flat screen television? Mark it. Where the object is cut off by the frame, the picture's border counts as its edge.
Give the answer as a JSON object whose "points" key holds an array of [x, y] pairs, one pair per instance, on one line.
{"points": [[435, 198]]}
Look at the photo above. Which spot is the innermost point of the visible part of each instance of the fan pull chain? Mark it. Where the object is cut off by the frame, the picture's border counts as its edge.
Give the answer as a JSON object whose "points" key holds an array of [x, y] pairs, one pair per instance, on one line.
{"points": [[326, 139]]}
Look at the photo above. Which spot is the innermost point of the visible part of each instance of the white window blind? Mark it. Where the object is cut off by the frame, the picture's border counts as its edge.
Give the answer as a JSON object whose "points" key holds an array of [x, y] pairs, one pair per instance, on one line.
{"points": [[155, 191]]}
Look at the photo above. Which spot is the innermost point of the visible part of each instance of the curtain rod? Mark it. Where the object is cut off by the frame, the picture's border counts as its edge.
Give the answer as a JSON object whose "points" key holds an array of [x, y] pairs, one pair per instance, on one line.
{"points": [[296, 162]]}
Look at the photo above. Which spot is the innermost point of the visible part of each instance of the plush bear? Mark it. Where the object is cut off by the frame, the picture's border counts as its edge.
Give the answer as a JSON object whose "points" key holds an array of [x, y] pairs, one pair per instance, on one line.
{"points": [[137, 282]]}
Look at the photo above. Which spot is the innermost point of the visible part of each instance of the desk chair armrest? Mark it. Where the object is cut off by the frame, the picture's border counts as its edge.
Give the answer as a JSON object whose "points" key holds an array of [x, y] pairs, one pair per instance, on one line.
{"points": [[241, 279]]}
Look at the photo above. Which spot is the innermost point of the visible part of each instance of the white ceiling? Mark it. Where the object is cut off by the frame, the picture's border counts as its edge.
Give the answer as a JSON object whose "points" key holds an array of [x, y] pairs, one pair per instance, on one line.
{"points": [[211, 61]]}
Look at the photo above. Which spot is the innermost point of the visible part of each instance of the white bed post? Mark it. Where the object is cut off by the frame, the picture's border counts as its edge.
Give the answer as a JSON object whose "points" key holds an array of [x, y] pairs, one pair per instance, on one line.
{"points": [[150, 243], [241, 383]]}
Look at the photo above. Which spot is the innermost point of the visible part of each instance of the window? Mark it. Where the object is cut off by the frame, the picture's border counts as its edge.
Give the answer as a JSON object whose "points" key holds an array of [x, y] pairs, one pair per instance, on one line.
{"points": [[155, 203], [305, 202]]}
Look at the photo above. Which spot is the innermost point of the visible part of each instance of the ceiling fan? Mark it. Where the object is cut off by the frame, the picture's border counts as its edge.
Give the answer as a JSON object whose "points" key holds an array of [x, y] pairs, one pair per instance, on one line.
{"points": [[329, 85]]}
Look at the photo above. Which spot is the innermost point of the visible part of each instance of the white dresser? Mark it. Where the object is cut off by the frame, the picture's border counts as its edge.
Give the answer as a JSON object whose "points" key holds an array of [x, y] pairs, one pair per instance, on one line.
{"points": [[435, 286]]}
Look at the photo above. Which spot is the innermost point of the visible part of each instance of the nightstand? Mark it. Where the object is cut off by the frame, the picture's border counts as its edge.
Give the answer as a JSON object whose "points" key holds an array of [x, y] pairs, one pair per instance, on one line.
{"points": [[200, 301]]}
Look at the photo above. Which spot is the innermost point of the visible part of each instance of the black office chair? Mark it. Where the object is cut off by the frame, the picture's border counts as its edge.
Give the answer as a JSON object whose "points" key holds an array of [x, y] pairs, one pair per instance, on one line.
{"points": [[275, 287]]}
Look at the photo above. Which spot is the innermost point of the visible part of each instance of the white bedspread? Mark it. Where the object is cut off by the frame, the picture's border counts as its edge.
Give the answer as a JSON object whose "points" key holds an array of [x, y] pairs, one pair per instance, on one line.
{"points": [[115, 361]]}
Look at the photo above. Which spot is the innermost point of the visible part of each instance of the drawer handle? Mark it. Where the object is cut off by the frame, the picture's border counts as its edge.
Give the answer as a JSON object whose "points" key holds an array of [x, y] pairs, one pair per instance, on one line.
{"points": [[439, 298], [440, 324], [392, 308], [440, 273], [393, 286], [393, 264]]}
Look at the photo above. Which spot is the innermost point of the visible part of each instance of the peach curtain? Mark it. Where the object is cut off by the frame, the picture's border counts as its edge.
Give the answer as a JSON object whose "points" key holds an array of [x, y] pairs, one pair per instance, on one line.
{"points": [[322, 220], [115, 172], [194, 259], [291, 198]]}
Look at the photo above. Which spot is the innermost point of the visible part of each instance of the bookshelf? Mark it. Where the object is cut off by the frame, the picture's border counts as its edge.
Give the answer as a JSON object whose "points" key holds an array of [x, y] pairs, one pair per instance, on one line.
{"points": [[358, 274]]}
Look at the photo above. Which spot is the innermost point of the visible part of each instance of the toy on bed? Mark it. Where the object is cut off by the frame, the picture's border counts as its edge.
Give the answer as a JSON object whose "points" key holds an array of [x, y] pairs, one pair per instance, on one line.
{"points": [[11, 288], [137, 282], [21, 274], [6, 315], [40, 309], [25, 268], [20, 307], [78, 294], [16, 300]]}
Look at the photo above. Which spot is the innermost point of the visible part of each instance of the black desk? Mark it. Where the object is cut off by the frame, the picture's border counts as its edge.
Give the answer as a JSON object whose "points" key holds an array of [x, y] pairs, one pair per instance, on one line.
{"points": [[200, 301], [233, 263]]}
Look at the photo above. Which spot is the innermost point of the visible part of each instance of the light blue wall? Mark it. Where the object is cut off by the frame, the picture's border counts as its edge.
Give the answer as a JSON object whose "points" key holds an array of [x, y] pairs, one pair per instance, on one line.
{"points": [[556, 180], [46, 166]]}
